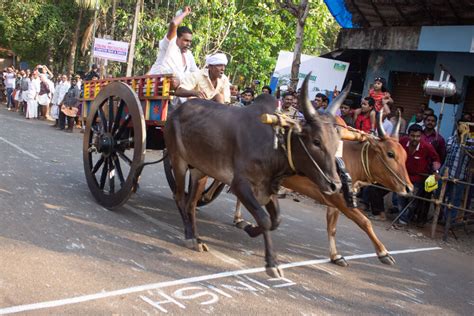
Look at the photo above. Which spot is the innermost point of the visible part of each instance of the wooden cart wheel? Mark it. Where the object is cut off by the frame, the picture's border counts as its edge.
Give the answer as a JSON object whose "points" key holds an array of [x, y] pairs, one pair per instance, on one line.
{"points": [[114, 144], [212, 191]]}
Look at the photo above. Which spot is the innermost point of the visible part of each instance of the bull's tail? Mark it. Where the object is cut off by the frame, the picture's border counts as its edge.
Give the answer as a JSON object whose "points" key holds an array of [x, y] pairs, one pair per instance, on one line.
{"points": [[173, 136]]}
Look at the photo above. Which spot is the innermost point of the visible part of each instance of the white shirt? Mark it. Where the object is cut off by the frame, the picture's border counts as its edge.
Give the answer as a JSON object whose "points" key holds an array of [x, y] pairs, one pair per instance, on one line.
{"points": [[170, 60], [33, 88], [387, 126], [60, 91], [9, 80], [422, 124], [200, 81], [51, 87]]}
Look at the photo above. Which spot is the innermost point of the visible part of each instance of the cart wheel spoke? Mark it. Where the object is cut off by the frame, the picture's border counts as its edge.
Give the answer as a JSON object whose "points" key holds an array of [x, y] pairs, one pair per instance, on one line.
{"points": [[124, 157], [118, 167], [97, 165], [111, 177], [118, 116], [122, 127], [103, 176], [103, 120], [111, 113]]}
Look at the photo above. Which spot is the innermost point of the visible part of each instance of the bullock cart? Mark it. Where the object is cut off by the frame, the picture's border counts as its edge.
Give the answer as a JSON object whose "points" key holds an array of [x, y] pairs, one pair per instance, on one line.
{"points": [[125, 117]]}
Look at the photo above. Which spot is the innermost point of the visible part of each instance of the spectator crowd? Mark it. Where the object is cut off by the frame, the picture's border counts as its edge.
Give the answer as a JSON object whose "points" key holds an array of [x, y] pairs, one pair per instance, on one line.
{"points": [[38, 94]]}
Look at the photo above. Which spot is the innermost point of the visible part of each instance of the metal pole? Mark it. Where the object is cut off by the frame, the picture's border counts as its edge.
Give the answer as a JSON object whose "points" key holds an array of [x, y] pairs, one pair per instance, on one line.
{"points": [[400, 214], [466, 196], [438, 203], [431, 200]]}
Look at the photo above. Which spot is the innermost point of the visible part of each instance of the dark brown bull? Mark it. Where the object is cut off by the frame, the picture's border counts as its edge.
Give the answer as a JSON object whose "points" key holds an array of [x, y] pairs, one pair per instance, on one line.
{"points": [[231, 145], [384, 162]]}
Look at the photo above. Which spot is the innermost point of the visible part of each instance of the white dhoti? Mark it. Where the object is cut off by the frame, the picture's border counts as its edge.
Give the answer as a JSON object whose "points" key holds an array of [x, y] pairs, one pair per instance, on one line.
{"points": [[32, 108], [54, 111], [24, 96]]}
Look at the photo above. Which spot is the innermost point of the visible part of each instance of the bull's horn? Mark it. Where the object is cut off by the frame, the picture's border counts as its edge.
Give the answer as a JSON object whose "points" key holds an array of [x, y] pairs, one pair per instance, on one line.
{"points": [[396, 129], [380, 129], [337, 102], [308, 110]]}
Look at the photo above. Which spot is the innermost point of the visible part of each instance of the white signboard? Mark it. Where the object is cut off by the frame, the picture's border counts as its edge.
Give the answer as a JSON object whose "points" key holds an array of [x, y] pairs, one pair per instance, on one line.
{"points": [[111, 50], [326, 73]]}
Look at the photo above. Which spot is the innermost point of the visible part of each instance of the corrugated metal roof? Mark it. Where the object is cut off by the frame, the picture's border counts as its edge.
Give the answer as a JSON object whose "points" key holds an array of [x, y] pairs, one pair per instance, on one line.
{"points": [[371, 13]]}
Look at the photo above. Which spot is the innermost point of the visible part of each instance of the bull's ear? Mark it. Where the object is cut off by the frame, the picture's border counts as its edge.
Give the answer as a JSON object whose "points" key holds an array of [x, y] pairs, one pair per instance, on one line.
{"points": [[308, 110], [337, 102], [374, 143]]}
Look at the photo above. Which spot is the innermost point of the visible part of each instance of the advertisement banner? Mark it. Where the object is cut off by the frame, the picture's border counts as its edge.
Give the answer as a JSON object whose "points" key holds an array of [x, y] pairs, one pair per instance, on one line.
{"points": [[326, 73], [111, 50]]}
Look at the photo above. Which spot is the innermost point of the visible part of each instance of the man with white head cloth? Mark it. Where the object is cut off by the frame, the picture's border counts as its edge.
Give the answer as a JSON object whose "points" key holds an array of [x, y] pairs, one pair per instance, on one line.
{"points": [[209, 83]]}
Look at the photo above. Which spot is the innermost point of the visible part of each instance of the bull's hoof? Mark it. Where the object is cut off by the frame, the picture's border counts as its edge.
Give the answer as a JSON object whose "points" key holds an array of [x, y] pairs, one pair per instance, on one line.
{"points": [[202, 247], [206, 198], [196, 244], [341, 261], [387, 259], [240, 223], [275, 223], [274, 272]]}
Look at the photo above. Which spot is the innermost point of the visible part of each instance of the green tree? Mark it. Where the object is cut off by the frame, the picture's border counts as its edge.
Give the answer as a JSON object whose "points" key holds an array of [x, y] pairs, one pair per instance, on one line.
{"points": [[250, 32], [300, 12]]}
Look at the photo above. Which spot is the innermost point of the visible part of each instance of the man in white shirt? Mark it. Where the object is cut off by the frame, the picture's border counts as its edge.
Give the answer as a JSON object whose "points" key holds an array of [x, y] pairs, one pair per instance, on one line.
{"points": [[174, 56], [9, 78], [33, 90], [209, 83], [58, 96]]}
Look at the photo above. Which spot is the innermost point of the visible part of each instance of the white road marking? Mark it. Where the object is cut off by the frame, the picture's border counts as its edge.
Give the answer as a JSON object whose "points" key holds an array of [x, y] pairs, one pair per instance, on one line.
{"points": [[161, 285], [19, 148]]}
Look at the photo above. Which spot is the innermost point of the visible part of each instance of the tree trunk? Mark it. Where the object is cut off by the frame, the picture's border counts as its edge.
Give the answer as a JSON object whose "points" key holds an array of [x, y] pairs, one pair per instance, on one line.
{"points": [[295, 65], [114, 12], [131, 53], [75, 39], [303, 11]]}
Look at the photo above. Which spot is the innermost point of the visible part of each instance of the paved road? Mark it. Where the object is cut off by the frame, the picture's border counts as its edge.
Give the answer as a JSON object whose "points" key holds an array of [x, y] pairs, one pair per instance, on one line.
{"points": [[62, 253]]}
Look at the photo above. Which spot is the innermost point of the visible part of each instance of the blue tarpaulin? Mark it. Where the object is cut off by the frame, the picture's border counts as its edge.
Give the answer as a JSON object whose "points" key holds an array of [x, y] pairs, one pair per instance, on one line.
{"points": [[340, 13]]}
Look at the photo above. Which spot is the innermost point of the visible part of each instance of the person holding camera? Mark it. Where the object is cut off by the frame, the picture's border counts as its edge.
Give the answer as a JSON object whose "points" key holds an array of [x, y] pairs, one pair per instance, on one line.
{"points": [[69, 107], [44, 70], [9, 78]]}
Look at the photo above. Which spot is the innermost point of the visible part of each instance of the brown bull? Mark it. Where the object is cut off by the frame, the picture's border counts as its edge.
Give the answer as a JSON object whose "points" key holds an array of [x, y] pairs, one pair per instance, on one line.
{"points": [[231, 145], [373, 160]]}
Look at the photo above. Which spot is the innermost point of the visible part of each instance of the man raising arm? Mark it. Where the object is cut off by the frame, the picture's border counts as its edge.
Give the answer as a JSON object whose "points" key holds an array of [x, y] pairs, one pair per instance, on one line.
{"points": [[174, 56]]}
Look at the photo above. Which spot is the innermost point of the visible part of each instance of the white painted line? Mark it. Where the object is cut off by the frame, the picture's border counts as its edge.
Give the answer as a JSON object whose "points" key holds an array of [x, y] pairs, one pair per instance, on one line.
{"points": [[19, 148], [161, 285]]}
